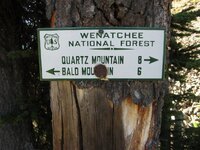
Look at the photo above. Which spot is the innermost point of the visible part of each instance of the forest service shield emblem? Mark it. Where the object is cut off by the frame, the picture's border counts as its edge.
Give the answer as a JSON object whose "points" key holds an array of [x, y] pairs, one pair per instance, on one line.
{"points": [[51, 42]]}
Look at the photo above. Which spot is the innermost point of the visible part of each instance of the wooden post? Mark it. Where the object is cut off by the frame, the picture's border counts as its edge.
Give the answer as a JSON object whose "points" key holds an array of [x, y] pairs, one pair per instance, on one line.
{"points": [[107, 115]]}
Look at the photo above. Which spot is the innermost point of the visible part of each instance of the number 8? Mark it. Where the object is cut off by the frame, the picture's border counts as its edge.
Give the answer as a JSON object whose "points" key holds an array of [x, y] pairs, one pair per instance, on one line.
{"points": [[139, 59]]}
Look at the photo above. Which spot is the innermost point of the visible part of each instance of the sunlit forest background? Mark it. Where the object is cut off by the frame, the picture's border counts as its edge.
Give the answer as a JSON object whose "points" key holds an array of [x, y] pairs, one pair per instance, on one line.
{"points": [[19, 20], [181, 112]]}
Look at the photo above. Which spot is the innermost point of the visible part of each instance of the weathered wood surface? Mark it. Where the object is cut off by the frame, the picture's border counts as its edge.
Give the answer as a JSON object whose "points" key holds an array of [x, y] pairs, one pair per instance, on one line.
{"points": [[87, 119], [108, 115]]}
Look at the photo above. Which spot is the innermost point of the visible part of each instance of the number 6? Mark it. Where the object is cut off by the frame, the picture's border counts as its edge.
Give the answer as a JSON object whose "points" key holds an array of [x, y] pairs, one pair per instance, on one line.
{"points": [[139, 71]]}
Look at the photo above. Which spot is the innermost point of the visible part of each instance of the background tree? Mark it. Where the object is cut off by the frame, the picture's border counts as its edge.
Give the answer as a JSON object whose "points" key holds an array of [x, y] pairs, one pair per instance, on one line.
{"points": [[107, 114], [15, 133], [24, 102]]}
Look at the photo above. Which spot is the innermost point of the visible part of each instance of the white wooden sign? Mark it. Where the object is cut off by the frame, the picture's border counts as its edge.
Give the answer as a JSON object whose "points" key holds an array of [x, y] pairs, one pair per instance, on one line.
{"points": [[127, 53]]}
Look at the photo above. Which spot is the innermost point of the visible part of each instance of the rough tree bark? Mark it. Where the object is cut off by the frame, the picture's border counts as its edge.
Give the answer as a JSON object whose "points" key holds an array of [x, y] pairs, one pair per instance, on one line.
{"points": [[107, 115]]}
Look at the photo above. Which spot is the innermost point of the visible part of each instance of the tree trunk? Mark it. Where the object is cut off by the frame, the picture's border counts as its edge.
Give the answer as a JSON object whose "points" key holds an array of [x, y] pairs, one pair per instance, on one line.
{"points": [[15, 132], [108, 115]]}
